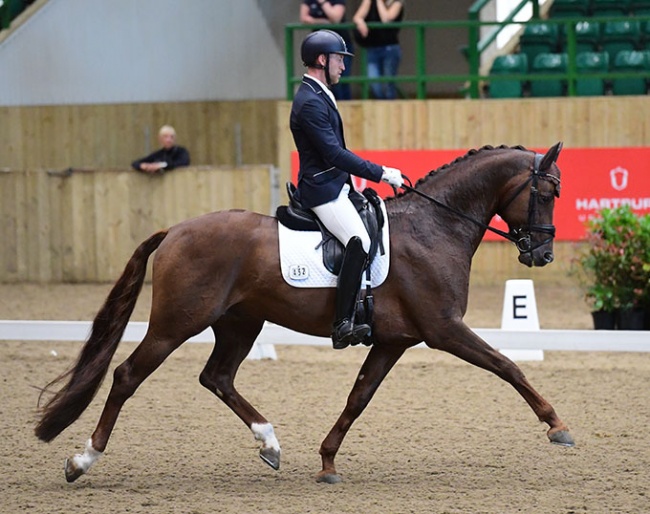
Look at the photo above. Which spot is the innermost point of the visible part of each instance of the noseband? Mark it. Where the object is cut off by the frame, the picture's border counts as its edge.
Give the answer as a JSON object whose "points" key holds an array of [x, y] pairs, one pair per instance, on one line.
{"points": [[521, 237]]}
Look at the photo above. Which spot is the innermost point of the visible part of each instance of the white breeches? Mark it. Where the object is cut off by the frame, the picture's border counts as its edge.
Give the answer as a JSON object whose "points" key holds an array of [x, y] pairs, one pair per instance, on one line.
{"points": [[341, 218]]}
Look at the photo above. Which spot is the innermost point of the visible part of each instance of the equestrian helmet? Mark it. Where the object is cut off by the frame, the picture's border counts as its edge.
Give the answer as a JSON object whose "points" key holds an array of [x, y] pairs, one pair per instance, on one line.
{"points": [[322, 42]]}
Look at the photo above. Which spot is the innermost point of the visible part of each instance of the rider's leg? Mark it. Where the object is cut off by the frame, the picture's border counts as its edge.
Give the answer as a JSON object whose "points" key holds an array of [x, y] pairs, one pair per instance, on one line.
{"points": [[341, 219], [345, 331]]}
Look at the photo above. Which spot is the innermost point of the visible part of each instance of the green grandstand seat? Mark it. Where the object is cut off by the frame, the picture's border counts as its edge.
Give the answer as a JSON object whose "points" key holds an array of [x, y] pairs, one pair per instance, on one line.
{"points": [[5, 16], [570, 8], [610, 7], [620, 35], [591, 62], [628, 61], [640, 7], [645, 35], [508, 65], [538, 38], [587, 37], [549, 64]]}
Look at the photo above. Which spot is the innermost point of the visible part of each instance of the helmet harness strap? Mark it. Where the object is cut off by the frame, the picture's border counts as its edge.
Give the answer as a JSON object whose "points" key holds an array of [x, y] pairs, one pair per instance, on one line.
{"points": [[328, 79], [326, 69]]}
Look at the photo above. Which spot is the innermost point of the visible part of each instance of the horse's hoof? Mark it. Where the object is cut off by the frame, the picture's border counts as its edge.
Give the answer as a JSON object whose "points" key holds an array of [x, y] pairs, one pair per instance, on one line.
{"points": [[271, 457], [72, 472], [562, 437], [328, 478]]}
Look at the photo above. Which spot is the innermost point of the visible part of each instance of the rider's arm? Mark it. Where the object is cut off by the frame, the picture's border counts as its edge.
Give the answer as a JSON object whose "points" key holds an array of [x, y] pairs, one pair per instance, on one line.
{"points": [[315, 123]]}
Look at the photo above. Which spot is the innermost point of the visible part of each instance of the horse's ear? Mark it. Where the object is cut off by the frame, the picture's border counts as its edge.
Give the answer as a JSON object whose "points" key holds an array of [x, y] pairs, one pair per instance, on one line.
{"points": [[551, 156]]}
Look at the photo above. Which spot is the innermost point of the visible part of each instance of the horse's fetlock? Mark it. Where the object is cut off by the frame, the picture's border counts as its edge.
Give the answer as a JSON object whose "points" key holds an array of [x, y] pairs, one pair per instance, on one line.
{"points": [[547, 415]]}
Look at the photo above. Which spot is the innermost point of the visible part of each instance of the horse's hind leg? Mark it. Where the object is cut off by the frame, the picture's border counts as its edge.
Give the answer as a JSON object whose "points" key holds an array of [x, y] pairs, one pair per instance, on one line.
{"points": [[146, 358], [235, 336], [465, 344]]}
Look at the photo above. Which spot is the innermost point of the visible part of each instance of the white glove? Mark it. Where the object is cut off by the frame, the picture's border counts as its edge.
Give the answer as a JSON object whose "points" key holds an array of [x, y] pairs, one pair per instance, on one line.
{"points": [[393, 176]]}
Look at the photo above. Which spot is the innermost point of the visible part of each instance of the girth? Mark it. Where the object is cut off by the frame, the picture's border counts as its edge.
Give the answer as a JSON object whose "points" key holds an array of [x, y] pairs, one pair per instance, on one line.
{"points": [[368, 206]]}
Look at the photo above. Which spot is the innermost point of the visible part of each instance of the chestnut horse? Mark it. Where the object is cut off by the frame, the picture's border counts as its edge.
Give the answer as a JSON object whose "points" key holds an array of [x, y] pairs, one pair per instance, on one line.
{"points": [[221, 270]]}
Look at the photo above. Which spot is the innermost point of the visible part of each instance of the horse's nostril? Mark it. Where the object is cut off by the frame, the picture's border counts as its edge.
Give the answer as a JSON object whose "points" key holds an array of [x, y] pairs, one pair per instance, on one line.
{"points": [[548, 257]]}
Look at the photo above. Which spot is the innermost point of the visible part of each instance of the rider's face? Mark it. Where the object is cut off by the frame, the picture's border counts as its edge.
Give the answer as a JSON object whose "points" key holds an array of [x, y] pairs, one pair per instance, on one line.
{"points": [[337, 66]]}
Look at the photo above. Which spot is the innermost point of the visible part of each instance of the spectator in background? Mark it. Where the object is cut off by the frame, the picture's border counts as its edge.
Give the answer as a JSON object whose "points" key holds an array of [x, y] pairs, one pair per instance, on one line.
{"points": [[170, 156], [314, 12], [382, 45]]}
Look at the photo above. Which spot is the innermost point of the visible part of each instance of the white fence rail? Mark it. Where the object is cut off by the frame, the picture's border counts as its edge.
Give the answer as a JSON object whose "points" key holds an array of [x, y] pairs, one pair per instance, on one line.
{"points": [[552, 340]]}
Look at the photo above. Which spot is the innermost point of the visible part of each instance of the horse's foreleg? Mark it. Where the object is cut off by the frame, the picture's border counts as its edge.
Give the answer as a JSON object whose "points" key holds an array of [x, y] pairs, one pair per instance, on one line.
{"points": [[234, 339], [127, 377], [378, 363], [465, 344]]}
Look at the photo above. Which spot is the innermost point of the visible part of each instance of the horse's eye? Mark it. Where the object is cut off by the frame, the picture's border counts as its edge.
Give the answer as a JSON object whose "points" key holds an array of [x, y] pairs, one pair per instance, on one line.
{"points": [[545, 198]]}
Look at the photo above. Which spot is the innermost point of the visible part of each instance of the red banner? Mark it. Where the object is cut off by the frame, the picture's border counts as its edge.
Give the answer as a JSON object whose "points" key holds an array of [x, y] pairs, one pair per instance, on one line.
{"points": [[592, 179]]}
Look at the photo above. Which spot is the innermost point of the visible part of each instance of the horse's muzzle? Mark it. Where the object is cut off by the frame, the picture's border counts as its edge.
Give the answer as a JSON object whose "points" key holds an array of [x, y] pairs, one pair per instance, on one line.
{"points": [[535, 258]]}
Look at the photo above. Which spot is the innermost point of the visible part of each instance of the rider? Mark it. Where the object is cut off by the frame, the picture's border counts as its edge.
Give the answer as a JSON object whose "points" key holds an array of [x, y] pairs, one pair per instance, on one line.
{"points": [[324, 181]]}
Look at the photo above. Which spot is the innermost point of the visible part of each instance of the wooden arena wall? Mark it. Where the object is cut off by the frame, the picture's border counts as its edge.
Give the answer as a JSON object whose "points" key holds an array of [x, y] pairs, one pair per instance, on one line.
{"points": [[85, 226], [463, 124], [113, 135]]}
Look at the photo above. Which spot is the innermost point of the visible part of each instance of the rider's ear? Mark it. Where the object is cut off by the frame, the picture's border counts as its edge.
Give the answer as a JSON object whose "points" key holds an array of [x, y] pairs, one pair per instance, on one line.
{"points": [[551, 156]]}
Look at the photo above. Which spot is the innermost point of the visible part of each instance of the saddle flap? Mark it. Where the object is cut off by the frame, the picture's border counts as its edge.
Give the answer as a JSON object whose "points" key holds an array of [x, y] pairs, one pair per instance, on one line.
{"points": [[368, 206]]}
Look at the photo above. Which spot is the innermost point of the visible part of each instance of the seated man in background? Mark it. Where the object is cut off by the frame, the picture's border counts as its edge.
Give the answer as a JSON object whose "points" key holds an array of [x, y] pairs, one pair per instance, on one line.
{"points": [[170, 156]]}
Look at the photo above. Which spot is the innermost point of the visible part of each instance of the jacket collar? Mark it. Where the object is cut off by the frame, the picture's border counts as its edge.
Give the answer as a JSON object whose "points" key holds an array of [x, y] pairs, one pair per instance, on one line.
{"points": [[320, 89]]}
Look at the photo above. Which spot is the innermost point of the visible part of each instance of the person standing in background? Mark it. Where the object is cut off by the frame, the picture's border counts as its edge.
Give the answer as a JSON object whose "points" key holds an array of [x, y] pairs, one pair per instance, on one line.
{"points": [[313, 12], [170, 156], [382, 45]]}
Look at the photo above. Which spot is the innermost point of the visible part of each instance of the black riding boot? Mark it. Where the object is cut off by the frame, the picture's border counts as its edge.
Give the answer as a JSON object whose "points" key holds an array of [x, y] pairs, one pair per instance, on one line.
{"points": [[347, 288]]}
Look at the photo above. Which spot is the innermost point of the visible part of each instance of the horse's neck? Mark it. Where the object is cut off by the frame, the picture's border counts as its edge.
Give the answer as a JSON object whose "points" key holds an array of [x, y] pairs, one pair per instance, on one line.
{"points": [[474, 186], [471, 186]]}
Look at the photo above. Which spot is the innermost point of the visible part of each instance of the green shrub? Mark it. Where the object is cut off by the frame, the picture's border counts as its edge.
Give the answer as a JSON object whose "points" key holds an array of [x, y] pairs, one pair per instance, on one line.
{"points": [[615, 263]]}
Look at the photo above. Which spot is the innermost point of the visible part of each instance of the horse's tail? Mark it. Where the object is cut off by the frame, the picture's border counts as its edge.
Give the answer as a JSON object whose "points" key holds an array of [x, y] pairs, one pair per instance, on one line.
{"points": [[85, 377]]}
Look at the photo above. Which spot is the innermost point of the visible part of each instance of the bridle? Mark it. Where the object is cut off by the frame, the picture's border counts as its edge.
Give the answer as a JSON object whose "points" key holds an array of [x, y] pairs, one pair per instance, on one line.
{"points": [[521, 237]]}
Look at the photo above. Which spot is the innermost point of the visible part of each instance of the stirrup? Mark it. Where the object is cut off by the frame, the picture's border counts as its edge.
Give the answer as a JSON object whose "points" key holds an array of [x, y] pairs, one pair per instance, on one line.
{"points": [[346, 333]]}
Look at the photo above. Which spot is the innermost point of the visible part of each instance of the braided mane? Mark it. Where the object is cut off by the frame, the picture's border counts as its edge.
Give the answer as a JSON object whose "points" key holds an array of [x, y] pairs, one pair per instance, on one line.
{"points": [[462, 158]]}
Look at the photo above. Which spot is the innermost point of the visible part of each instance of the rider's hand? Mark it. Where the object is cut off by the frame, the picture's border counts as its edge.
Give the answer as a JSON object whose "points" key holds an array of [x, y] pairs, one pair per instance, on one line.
{"points": [[393, 176]]}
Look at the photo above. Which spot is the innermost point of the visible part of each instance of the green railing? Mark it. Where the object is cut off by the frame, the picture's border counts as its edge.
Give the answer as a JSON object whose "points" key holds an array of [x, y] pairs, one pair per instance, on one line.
{"points": [[476, 47]]}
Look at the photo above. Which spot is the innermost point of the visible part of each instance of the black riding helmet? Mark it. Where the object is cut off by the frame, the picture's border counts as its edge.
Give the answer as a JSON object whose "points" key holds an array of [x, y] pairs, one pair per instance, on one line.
{"points": [[322, 42]]}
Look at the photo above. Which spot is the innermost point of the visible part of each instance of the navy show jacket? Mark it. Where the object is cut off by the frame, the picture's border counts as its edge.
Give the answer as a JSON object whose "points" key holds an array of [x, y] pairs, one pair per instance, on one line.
{"points": [[325, 163]]}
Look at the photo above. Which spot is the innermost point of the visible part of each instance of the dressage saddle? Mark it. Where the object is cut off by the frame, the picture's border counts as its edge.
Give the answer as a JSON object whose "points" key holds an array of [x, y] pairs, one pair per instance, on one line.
{"points": [[368, 205]]}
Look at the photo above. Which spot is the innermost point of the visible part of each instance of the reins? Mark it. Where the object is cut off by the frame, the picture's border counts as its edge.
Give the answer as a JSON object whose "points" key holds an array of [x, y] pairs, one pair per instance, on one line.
{"points": [[520, 237], [497, 231]]}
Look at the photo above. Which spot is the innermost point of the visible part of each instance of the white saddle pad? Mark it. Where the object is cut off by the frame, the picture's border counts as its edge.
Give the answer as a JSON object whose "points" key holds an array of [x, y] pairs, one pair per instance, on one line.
{"points": [[302, 262]]}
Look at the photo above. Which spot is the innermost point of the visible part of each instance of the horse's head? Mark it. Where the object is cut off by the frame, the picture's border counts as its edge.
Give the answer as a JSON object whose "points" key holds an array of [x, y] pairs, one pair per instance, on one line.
{"points": [[528, 208]]}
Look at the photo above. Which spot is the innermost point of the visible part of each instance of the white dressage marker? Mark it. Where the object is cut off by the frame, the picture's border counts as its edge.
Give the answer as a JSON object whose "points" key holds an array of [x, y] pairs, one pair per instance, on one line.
{"points": [[520, 314]]}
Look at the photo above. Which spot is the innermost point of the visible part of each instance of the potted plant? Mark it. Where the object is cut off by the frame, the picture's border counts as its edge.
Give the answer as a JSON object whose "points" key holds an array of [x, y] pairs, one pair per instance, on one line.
{"points": [[615, 268], [644, 265]]}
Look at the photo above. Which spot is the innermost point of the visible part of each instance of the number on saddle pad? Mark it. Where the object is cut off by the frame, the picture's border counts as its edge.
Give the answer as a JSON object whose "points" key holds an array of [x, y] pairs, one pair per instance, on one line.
{"points": [[368, 205]]}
